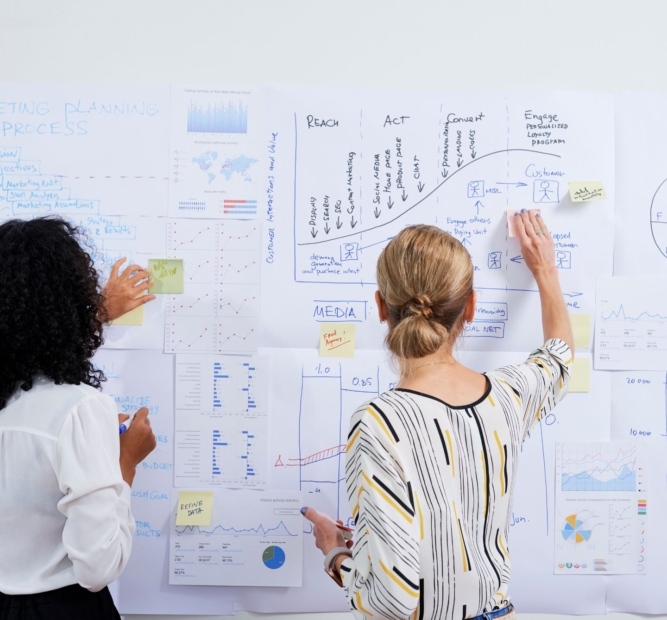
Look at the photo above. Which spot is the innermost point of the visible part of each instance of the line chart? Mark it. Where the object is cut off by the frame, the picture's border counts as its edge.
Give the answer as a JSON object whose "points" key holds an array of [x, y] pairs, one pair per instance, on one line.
{"points": [[619, 315], [260, 530]]}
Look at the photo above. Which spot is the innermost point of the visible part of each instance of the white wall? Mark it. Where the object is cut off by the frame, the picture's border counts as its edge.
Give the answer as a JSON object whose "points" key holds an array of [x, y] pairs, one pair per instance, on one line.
{"points": [[597, 45]]}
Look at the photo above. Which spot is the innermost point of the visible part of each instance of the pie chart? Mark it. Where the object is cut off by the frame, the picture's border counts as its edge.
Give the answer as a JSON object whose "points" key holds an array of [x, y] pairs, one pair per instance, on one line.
{"points": [[575, 530], [273, 557]]}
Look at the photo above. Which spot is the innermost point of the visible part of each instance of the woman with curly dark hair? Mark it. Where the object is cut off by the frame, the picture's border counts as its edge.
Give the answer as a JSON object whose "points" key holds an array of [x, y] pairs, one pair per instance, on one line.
{"points": [[65, 522]]}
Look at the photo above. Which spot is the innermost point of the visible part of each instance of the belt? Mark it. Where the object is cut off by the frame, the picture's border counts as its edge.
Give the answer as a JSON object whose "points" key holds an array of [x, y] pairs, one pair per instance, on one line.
{"points": [[492, 615]]}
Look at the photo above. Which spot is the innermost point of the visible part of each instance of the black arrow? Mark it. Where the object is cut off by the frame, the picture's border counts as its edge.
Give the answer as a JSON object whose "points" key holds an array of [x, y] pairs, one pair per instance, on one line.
{"points": [[377, 212], [327, 230], [390, 203], [420, 186], [444, 173], [352, 222], [313, 232], [338, 223], [517, 259], [459, 162], [404, 196], [473, 154]]}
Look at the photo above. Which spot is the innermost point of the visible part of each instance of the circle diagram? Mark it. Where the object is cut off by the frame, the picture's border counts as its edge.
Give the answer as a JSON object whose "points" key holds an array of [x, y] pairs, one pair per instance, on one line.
{"points": [[273, 557], [659, 218], [575, 530]]}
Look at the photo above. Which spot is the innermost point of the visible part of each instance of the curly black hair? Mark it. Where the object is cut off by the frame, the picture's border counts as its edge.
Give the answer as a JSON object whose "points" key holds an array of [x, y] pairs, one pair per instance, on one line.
{"points": [[51, 307]]}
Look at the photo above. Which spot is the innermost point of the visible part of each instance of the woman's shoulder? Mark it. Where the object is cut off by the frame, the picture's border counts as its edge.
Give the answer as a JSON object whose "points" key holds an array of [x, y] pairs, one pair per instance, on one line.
{"points": [[45, 407]]}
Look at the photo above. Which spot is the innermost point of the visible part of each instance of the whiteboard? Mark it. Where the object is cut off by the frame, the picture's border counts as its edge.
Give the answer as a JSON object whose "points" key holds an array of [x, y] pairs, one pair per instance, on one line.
{"points": [[434, 46]]}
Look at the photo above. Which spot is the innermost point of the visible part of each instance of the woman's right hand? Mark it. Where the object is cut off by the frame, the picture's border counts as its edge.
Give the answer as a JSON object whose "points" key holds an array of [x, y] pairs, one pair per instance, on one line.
{"points": [[136, 444], [537, 245]]}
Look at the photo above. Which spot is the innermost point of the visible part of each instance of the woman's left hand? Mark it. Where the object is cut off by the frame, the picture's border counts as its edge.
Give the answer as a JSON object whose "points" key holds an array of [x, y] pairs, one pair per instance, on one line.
{"points": [[327, 535]]}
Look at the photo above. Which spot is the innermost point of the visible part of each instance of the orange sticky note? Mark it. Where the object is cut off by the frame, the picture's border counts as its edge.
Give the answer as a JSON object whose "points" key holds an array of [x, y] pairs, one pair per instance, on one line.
{"points": [[337, 339], [511, 218]]}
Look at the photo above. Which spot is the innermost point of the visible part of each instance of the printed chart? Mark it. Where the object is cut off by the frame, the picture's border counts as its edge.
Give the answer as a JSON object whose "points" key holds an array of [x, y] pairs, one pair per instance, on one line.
{"points": [[219, 308], [215, 152], [601, 506], [254, 539], [221, 421], [631, 324]]}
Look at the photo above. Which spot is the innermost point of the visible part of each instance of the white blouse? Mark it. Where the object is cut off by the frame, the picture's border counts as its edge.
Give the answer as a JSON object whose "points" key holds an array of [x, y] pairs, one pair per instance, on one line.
{"points": [[64, 508]]}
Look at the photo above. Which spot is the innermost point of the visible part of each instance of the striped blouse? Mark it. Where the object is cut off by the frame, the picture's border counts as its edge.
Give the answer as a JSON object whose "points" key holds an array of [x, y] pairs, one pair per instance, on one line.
{"points": [[430, 487]]}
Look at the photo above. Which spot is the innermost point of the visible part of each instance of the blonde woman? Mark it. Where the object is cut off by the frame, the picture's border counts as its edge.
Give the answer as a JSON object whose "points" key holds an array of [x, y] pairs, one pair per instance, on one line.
{"points": [[431, 464]]}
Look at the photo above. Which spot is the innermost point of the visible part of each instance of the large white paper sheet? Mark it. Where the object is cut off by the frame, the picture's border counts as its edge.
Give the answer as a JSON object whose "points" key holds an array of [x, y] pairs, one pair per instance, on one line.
{"points": [[631, 324], [350, 170], [639, 412], [137, 379], [254, 539], [215, 162], [640, 246]]}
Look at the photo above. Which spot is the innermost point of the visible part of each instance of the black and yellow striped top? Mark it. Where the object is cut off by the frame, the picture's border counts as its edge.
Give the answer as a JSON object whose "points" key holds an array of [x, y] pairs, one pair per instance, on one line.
{"points": [[430, 486]]}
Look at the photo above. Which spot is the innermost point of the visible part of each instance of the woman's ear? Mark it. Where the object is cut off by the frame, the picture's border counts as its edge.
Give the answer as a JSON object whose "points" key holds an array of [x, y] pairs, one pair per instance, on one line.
{"points": [[471, 304], [382, 307]]}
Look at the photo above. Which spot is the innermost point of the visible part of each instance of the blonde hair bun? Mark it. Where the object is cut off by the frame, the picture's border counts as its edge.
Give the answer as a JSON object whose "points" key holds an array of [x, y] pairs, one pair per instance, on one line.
{"points": [[425, 278]]}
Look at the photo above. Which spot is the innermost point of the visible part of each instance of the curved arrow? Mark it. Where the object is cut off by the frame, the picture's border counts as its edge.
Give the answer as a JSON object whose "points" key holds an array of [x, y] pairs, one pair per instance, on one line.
{"points": [[435, 189]]}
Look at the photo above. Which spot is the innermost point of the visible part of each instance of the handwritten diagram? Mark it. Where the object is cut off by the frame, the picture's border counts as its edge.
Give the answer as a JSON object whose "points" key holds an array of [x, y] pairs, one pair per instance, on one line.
{"points": [[362, 171]]}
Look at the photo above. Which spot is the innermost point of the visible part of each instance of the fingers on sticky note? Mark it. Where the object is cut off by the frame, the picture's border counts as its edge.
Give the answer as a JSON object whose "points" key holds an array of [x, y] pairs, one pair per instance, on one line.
{"points": [[511, 220], [584, 191], [194, 508], [581, 328], [167, 275], [337, 339], [580, 375]]}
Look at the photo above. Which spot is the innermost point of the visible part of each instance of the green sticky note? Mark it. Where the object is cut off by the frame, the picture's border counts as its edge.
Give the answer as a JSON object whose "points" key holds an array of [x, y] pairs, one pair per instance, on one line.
{"points": [[167, 275]]}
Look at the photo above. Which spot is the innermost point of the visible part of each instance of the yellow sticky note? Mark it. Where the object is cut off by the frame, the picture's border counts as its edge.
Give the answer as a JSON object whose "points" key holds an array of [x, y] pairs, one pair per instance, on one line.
{"points": [[581, 328], [583, 191], [133, 317], [580, 375], [167, 275], [337, 339], [194, 508]]}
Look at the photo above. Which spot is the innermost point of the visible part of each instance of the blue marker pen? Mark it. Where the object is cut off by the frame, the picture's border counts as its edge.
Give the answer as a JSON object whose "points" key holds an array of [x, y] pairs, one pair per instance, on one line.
{"points": [[124, 426]]}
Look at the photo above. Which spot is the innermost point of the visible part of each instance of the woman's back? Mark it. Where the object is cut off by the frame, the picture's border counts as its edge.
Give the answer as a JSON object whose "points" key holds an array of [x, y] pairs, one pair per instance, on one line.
{"points": [[435, 490], [60, 484]]}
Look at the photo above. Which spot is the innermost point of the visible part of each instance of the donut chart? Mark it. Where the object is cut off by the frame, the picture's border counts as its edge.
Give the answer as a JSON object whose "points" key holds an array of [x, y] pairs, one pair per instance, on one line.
{"points": [[575, 530]]}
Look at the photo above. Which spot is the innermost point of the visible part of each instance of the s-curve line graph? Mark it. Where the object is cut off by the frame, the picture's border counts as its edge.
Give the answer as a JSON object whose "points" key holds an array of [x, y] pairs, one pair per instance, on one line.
{"points": [[221, 431], [219, 308], [631, 324], [601, 504], [254, 538]]}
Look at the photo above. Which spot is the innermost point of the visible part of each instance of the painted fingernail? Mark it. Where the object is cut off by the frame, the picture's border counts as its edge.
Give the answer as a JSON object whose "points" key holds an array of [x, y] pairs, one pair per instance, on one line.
{"points": [[516, 214], [303, 510], [523, 210], [538, 215]]}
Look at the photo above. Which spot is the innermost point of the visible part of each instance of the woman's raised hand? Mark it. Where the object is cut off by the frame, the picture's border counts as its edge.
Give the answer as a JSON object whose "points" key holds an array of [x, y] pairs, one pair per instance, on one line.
{"points": [[124, 292], [537, 245]]}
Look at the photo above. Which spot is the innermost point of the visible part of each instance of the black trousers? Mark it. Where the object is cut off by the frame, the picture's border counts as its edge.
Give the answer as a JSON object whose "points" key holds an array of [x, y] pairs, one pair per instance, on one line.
{"points": [[69, 603]]}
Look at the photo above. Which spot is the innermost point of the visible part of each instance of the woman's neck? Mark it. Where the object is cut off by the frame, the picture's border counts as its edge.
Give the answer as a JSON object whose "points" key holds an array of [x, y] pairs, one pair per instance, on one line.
{"points": [[410, 369]]}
